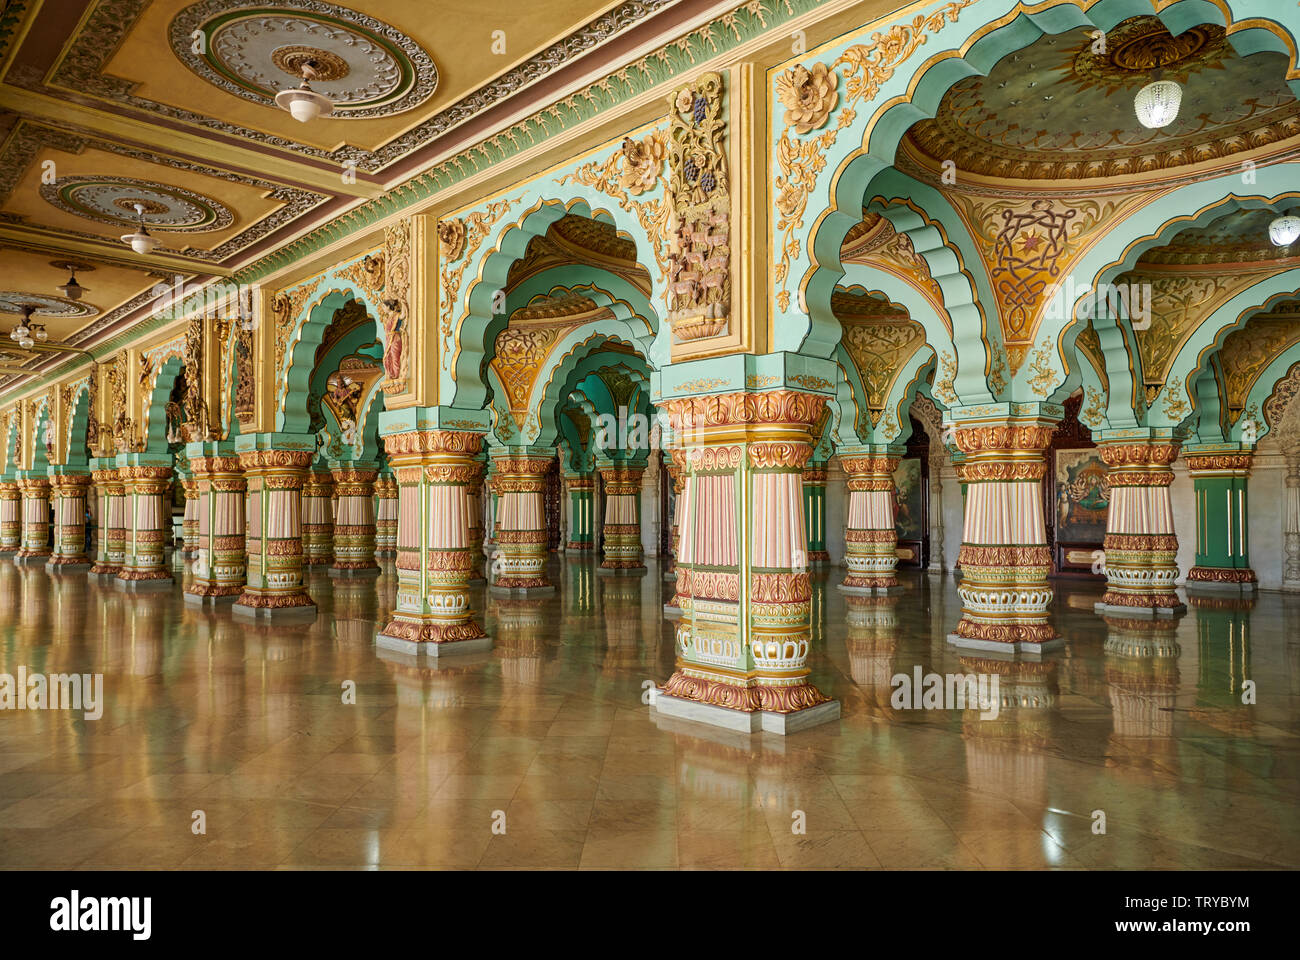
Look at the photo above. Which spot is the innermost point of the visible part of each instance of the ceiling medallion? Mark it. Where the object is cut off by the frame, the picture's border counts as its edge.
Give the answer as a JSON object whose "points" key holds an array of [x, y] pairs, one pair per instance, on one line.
{"points": [[12, 301], [115, 200], [1139, 46], [365, 67]]}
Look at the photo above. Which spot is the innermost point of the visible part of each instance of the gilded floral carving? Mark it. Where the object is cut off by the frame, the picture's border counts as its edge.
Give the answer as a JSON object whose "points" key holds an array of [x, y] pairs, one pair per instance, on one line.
{"points": [[808, 96]]}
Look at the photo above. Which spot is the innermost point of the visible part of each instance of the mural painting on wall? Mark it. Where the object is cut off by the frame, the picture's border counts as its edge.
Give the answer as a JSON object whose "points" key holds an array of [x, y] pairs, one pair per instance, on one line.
{"points": [[909, 515], [1082, 496]]}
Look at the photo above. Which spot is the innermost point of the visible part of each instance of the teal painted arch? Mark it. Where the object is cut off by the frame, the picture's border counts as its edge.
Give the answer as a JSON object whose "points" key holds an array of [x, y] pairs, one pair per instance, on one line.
{"points": [[1285, 364], [902, 293], [625, 299], [577, 458], [578, 373], [294, 384], [155, 424], [42, 420], [79, 414], [910, 378], [1193, 356], [12, 440], [372, 405], [850, 402], [1211, 426], [478, 323], [1085, 376], [964, 46]]}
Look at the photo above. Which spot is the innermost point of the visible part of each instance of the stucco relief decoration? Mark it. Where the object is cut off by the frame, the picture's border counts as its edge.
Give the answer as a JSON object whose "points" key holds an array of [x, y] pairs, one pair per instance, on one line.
{"points": [[92, 412], [123, 427], [395, 305], [808, 96], [456, 258], [699, 251], [285, 308], [245, 396], [195, 425], [451, 239], [520, 353]]}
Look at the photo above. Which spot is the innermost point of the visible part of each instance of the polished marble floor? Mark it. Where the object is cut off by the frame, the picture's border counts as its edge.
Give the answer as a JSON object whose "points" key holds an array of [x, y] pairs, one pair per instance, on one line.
{"points": [[541, 753]]}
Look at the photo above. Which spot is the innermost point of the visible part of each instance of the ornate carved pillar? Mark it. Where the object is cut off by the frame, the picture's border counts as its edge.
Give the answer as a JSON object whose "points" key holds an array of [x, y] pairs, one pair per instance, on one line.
{"points": [[520, 485], [1219, 482], [870, 536], [676, 477], [36, 517], [474, 507], [146, 481], [109, 545], [623, 551], [581, 487], [11, 516], [386, 514], [273, 532], [435, 555], [69, 493], [190, 525], [219, 560], [744, 632], [814, 507], [354, 527], [1004, 557], [317, 518], [1291, 527], [1140, 544]]}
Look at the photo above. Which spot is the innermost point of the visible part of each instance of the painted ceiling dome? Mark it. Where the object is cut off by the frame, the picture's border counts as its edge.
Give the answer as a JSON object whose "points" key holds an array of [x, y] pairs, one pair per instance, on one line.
{"points": [[1240, 237], [365, 66], [12, 301], [1062, 108], [113, 200]]}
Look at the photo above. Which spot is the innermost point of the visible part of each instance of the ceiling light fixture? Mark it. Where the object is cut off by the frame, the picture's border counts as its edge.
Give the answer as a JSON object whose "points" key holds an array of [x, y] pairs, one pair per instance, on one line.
{"points": [[72, 290], [140, 241], [302, 101], [22, 334], [1156, 104], [1284, 230]]}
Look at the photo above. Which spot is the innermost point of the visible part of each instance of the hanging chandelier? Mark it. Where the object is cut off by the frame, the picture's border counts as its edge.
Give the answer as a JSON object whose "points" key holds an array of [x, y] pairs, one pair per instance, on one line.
{"points": [[140, 241], [27, 333], [72, 290], [302, 101], [1157, 103], [1284, 230]]}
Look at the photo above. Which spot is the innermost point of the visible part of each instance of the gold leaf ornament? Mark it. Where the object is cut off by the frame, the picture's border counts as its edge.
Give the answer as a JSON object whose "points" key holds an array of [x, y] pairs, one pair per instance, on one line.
{"points": [[808, 96]]}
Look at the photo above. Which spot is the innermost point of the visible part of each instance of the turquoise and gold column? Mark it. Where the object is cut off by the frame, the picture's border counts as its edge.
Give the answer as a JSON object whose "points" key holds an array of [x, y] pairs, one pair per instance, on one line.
{"points": [[275, 468], [36, 517], [870, 535], [744, 633], [317, 518], [622, 527], [474, 508], [190, 524], [11, 516], [434, 470], [354, 524], [109, 545], [581, 487], [69, 487], [146, 481], [520, 486], [814, 509], [219, 560], [386, 514], [1004, 556], [1219, 483], [1141, 548]]}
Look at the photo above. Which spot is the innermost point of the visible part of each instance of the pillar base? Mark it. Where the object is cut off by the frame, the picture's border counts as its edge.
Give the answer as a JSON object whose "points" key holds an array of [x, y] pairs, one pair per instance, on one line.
{"points": [[1207, 588], [743, 721], [295, 607], [817, 558], [209, 597], [1124, 610], [1015, 649], [21, 557], [622, 571], [150, 585], [1222, 582], [76, 566], [355, 571], [431, 648], [870, 591]]}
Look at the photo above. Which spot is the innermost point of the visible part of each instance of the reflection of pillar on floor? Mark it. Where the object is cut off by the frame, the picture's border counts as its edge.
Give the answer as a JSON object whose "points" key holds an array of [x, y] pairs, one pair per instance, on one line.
{"points": [[520, 565], [69, 491], [112, 518], [354, 527], [1140, 545], [386, 514], [1291, 522], [11, 517], [814, 495], [317, 518], [580, 505], [434, 469], [1004, 556], [622, 518], [1219, 483], [743, 639], [872, 641], [1141, 669], [36, 518], [218, 566], [274, 587], [190, 525], [870, 537], [146, 481]]}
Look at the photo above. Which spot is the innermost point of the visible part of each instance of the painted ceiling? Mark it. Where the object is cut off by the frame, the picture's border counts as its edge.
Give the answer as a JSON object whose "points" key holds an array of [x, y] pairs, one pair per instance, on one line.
{"points": [[1238, 237], [1061, 109]]}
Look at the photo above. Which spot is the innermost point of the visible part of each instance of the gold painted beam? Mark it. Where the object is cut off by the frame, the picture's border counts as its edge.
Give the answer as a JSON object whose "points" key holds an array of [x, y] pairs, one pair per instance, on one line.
{"points": [[195, 146], [61, 246]]}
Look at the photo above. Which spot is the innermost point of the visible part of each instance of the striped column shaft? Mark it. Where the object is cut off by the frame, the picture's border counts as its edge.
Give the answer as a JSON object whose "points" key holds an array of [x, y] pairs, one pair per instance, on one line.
{"points": [[147, 521], [1004, 557], [870, 537], [386, 516], [354, 527], [581, 503], [11, 517], [70, 491], [190, 525], [520, 485], [681, 480], [433, 471], [219, 563], [623, 550], [814, 494], [274, 533], [1140, 544], [474, 507], [112, 530], [36, 517], [317, 518]]}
